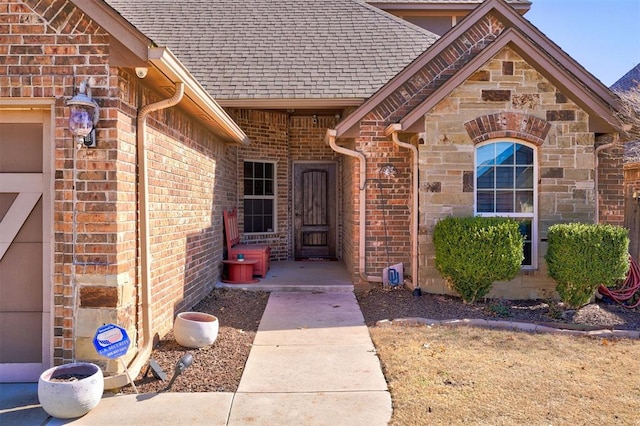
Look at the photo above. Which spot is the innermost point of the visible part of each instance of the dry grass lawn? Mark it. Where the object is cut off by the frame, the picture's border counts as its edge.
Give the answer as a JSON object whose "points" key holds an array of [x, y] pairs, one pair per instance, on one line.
{"points": [[464, 375]]}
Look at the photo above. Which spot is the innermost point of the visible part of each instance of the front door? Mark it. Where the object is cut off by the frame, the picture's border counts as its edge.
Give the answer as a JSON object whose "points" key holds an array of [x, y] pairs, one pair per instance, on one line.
{"points": [[24, 253], [314, 210]]}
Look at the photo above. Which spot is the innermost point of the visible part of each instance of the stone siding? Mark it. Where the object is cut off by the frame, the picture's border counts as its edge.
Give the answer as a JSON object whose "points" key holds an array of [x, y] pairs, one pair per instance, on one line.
{"points": [[632, 205], [507, 98]]}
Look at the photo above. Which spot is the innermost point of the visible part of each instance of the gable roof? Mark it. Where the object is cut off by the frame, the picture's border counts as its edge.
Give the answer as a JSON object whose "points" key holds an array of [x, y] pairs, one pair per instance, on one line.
{"points": [[630, 80], [558, 67], [275, 50]]}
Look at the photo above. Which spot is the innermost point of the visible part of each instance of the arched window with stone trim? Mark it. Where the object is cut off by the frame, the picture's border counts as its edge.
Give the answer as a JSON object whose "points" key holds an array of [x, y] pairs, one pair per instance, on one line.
{"points": [[506, 172]]}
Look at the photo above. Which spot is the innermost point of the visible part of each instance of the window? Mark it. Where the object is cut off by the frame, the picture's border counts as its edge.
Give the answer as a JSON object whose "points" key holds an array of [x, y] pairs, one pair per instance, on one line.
{"points": [[506, 176], [259, 197]]}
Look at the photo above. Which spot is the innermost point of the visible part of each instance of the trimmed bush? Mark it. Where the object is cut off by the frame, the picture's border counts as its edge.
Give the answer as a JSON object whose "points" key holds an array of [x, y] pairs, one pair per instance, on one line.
{"points": [[474, 252], [583, 256]]}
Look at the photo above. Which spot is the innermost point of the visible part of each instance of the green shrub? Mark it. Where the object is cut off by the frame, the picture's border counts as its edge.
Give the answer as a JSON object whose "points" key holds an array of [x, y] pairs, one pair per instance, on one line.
{"points": [[583, 256], [473, 252]]}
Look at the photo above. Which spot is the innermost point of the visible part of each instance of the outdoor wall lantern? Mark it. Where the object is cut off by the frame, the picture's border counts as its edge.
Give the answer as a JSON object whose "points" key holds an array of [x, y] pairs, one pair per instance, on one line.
{"points": [[388, 170], [84, 115]]}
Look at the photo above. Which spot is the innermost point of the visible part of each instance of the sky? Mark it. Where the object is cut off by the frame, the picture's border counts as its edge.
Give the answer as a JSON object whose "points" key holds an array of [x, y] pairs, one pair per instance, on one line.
{"points": [[601, 35]]}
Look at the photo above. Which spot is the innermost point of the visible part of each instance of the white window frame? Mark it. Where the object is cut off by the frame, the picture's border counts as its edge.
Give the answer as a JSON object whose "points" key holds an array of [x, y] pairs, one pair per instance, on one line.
{"points": [[533, 216], [273, 197]]}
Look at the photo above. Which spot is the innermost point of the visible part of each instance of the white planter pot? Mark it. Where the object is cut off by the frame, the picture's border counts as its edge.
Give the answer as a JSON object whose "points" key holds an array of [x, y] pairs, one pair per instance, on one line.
{"points": [[66, 398], [195, 329]]}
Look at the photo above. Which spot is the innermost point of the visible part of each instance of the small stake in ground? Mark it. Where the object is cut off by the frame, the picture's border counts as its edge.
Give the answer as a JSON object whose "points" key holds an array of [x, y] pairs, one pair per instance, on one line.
{"points": [[112, 341], [156, 370]]}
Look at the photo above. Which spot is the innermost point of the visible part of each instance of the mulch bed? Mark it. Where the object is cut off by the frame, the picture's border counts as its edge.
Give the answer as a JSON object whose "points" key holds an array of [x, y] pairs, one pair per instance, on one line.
{"points": [[218, 368]]}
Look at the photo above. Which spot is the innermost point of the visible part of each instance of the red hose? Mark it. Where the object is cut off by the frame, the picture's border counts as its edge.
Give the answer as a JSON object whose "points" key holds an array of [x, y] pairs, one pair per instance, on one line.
{"points": [[628, 290]]}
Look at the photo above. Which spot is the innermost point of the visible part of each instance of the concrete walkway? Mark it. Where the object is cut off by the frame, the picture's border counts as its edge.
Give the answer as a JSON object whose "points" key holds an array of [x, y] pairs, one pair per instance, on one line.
{"points": [[312, 363]]}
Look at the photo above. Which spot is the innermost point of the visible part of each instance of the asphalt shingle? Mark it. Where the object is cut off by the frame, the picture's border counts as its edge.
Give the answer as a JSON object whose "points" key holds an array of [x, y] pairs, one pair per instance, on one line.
{"points": [[281, 49], [628, 81]]}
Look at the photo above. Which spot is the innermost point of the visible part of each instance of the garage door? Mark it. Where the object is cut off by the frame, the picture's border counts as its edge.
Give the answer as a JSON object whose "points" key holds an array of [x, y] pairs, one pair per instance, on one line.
{"points": [[25, 259]]}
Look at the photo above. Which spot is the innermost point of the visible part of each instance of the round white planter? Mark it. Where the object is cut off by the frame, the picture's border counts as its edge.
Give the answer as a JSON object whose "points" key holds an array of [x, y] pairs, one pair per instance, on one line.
{"points": [[70, 390], [195, 329]]}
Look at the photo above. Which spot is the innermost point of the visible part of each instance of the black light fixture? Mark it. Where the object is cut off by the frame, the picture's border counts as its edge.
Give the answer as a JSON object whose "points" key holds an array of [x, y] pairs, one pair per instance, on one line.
{"points": [[84, 115]]}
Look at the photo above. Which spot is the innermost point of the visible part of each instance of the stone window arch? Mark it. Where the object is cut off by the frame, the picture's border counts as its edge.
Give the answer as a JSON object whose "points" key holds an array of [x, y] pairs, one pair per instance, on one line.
{"points": [[525, 127]]}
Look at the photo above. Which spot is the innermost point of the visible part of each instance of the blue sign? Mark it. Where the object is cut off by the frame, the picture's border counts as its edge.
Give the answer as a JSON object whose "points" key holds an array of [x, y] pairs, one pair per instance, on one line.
{"points": [[111, 341]]}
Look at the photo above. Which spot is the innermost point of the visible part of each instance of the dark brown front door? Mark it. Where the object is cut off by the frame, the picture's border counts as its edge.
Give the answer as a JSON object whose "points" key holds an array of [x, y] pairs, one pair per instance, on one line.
{"points": [[314, 210]]}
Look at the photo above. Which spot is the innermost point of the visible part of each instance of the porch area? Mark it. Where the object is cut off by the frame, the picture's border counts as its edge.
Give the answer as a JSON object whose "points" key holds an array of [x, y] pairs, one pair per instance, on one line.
{"points": [[289, 275]]}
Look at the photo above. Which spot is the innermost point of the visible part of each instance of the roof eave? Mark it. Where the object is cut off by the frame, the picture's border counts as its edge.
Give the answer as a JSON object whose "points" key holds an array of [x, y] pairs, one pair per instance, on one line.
{"points": [[507, 14], [346, 125], [586, 99], [291, 103], [131, 48], [522, 8], [164, 60], [118, 27]]}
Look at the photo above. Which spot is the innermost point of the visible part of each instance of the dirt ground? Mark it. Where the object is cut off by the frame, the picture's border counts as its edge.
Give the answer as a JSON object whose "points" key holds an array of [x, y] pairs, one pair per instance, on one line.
{"points": [[379, 304], [218, 368], [479, 376]]}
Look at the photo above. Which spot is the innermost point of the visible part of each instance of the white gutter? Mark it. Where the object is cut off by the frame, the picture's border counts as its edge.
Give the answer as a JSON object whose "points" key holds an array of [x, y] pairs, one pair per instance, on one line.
{"points": [[393, 130], [331, 138], [597, 151], [144, 352]]}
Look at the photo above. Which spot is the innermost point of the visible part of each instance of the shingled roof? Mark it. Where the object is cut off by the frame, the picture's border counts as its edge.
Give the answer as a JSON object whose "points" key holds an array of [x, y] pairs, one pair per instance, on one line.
{"points": [[444, 2], [629, 80], [281, 49]]}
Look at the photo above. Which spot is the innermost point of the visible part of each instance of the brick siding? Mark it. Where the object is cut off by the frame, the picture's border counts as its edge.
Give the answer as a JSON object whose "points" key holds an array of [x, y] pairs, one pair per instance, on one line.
{"points": [[48, 47], [284, 138], [395, 196], [388, 200]]}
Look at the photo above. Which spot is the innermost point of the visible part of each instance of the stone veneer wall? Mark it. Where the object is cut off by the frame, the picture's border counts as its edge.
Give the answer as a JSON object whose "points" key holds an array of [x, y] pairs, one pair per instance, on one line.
{"points": [[632, 205], [392, 203], [505, 85]]}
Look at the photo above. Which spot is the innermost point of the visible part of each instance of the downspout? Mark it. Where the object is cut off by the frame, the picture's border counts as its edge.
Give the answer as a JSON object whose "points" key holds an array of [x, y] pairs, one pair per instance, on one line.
{"points": [[331, 138], [597, 151], [144, 352], [393, 129]]}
